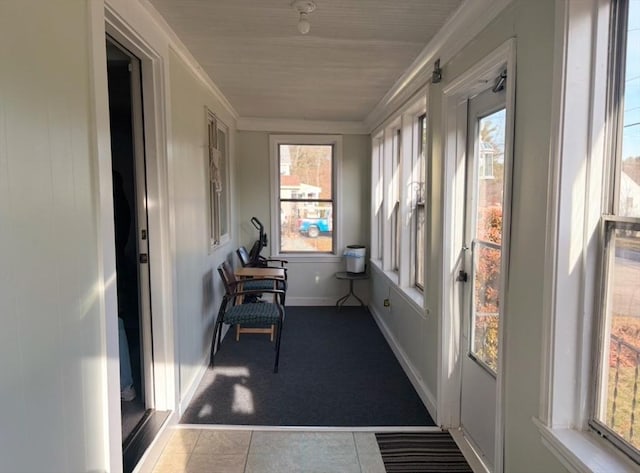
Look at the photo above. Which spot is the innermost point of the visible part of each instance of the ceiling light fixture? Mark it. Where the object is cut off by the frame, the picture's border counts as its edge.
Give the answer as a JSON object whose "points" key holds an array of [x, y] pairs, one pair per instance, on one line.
{"points": [[304, 7]]}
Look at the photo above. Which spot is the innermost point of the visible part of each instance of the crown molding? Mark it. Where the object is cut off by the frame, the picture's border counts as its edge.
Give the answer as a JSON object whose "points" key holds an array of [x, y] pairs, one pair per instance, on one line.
{"points": [[177, 46], [469, 20], [284, 125]]}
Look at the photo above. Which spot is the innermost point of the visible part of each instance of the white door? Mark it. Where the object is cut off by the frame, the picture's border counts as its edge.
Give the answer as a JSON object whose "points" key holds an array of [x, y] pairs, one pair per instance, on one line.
{"points": [[482, 271]]}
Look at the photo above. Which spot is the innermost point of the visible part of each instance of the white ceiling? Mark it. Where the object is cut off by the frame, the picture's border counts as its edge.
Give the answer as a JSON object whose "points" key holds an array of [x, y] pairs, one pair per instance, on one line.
{"points": [[355, 52]]}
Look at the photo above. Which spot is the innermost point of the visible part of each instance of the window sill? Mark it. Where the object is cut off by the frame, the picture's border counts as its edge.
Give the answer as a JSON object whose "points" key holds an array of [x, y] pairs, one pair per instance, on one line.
{"points": [[414, 297], [310, 258], [224, 241], [584, 451]]}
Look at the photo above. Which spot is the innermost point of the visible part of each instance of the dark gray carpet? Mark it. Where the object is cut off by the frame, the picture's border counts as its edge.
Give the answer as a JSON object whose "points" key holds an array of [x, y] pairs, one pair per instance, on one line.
{"points": [[424, 452], [336, 369]]}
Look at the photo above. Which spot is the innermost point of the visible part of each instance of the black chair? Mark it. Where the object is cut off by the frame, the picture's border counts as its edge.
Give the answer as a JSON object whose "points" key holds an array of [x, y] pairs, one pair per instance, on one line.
{"points": [[266, 315]]}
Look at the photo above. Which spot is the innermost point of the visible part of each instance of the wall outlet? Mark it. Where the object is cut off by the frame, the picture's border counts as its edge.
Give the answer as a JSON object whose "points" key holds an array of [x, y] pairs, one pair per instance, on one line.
{"points": [[386, 303]]}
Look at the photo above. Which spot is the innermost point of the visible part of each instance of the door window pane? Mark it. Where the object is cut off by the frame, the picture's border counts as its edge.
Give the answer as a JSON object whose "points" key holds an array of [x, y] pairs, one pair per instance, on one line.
{"points": [[489, 189]]}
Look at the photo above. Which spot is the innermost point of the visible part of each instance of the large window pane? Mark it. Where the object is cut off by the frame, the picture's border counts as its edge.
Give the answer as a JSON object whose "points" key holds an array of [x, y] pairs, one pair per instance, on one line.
{"points": [[420, 214], [618, 406], [629, 191], [489, 188], [306, 198]]}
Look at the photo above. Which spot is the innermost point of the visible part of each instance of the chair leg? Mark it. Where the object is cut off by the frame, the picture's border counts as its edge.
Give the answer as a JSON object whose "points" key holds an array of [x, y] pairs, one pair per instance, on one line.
{"points": [[279, 330], [219, 335], [216, 334]]}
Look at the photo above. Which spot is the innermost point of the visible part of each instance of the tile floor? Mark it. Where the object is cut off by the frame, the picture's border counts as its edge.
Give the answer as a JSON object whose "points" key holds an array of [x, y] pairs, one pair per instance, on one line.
{"points": [[245, 451]]}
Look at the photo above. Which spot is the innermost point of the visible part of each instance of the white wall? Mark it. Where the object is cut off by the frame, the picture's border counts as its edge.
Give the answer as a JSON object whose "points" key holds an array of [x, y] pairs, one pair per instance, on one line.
{"points": [[53, 392], [199, 290], [59, 402], [532, 24], [310, 283]]}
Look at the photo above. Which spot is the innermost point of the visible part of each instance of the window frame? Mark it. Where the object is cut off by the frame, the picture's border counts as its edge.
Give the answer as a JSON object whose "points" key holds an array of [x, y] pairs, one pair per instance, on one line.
{"points": [[395, 217], [611, 220], [215, 200], [274, 145], [393, 193], [377, 200], [578, 162]]}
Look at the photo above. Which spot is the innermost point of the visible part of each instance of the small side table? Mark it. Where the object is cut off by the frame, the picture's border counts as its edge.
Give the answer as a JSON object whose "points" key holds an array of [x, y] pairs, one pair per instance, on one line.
{"points": [[350, 277]]}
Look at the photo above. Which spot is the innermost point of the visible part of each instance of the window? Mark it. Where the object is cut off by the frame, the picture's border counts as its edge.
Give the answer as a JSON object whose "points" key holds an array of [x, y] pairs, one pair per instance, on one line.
{"points": [[418, 169], [305, 197], [395, 191], [218, 183], [377, 171], [615, 412]]}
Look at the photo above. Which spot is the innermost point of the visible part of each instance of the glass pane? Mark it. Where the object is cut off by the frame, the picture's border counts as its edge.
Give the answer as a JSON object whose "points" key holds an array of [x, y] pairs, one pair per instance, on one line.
{"points": [[380, 219], [306, 223], [486, 304], [420, 246], [306, 226], [618, 401], [306, 172], [629, 203], [489, 187], [418, 169]]}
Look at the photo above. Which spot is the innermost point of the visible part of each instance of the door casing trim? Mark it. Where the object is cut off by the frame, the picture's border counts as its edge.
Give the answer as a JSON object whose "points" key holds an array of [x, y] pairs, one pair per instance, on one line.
{"points": [[104, 20], [454, 119]]}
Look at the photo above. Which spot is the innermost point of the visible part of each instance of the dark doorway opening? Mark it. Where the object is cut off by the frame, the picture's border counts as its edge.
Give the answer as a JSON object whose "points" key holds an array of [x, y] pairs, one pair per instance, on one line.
{"points": [[140, 421]]}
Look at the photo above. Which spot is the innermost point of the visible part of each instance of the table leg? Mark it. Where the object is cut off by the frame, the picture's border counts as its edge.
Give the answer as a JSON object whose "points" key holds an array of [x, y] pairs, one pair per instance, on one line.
{"points": [[340, 302]]}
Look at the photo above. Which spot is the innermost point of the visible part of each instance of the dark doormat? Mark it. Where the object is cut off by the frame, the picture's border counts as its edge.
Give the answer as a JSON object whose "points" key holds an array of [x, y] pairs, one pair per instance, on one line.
{"points": [[421, 452], [336, 369]]}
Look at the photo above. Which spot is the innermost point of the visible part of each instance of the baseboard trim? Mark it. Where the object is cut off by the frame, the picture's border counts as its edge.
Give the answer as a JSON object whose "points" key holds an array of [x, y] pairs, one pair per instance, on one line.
{"points": [[416, 380], [312, 301], [188, 396], [305, 428]]}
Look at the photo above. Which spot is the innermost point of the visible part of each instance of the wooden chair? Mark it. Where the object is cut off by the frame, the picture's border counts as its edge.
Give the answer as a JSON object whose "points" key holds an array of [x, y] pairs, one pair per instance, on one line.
{"points": [[262, 317]]}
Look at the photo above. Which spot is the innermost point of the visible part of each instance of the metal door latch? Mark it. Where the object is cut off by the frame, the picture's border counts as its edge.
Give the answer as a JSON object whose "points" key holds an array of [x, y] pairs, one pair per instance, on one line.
{"points": [[462, 276], [144, 258]]}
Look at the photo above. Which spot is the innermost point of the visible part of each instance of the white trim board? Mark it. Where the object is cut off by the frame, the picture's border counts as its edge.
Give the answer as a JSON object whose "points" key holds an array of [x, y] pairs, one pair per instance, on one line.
{"points": [[311, 428], [278, 125], [314, 301]]}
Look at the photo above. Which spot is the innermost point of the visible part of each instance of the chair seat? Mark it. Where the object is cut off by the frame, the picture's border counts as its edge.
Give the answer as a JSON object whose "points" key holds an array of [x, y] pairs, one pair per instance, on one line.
{"points": [[253, 314]]}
